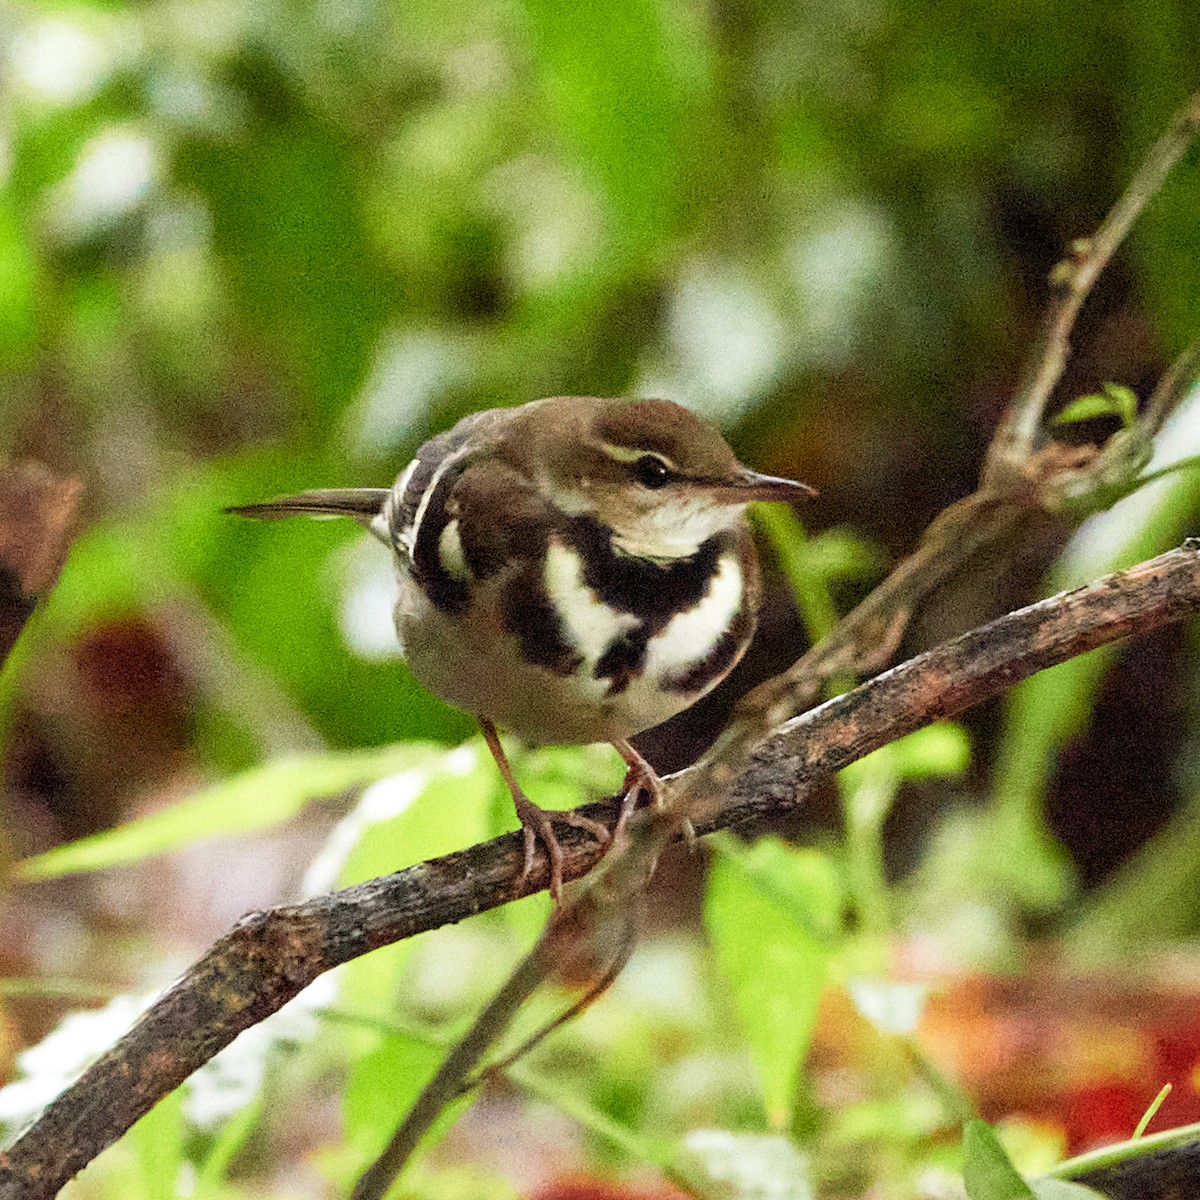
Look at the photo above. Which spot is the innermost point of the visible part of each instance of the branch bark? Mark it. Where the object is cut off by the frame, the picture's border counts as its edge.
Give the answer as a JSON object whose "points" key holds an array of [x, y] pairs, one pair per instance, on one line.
{"points": [[1072, 281], [270, 956]]}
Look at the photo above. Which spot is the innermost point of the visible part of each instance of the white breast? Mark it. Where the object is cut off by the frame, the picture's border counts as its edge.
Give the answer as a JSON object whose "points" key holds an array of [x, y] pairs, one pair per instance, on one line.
{"points": [[590, 625], [691, 636]]}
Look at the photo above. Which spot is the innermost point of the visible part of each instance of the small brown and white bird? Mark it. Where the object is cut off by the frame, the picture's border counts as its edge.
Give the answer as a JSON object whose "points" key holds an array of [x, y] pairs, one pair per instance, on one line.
{"points": [[576, 570]]}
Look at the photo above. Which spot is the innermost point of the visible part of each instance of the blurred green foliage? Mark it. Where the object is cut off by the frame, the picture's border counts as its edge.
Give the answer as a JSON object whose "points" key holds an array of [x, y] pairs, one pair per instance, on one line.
{"points": [[251, 247]]}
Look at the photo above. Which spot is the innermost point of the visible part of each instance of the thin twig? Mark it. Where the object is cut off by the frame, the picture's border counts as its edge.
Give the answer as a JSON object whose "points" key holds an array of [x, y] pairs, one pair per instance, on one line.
{"points": [[600, 918], [1072, 280], [446, 1085], [1177, 380], [568, 1014]]}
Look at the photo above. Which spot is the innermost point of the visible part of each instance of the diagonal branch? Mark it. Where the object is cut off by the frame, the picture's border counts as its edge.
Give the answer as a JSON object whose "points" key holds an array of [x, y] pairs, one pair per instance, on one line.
{"points": [[1172, 386], [270, 956], [1072, 280]]}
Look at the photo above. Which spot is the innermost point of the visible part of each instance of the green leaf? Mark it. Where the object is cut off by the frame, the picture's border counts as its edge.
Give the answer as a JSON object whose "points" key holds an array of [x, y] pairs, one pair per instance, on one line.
{"points": [[987, 1170], [1114, 400], [619, 77], [383, 1086], [19, 283], [158, 1145], [292, 238], [810, 588], [770, 913], [254, 800], [1061, 1189], [943, 749], [230, 1139]]}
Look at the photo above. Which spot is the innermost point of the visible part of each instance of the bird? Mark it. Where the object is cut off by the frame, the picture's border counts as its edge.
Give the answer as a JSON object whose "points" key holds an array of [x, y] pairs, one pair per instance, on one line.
{"points": [[574, 570]]}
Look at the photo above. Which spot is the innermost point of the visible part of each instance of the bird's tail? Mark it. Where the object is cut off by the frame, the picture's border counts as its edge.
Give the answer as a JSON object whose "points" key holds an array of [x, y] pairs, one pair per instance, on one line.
{"points": [[363, 504]]}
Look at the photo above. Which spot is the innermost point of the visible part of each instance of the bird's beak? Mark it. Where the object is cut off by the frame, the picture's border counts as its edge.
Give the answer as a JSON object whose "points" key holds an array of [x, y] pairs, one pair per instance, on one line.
{"points": [[749, 485]]}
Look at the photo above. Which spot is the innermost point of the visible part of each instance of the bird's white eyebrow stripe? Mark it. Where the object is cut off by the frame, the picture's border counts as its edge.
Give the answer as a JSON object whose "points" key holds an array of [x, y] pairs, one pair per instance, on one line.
{"points": [[627, 454]]}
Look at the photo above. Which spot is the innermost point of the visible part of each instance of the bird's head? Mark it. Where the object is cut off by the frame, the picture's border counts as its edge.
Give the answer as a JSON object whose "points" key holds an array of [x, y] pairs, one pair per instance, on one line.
{"points": [[663, 480]]}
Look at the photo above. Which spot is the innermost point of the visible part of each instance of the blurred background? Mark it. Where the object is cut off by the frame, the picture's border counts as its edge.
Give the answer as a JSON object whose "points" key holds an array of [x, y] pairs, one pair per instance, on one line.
{"points": [[247, 248]]}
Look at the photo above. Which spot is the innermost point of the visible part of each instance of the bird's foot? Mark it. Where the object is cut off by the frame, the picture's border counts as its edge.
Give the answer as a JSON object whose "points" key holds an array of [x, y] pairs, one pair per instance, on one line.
{"points": [[538, 825], [640, 779]]}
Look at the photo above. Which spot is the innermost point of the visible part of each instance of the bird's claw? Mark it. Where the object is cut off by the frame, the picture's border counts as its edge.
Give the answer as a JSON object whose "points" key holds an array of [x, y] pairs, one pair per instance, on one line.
{"points": [[538, 825]]}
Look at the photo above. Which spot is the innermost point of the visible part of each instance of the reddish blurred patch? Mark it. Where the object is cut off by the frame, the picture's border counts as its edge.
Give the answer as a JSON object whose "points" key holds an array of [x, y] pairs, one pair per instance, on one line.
{"points": [[1086, 1054], [105, 723], [587, 1187]]}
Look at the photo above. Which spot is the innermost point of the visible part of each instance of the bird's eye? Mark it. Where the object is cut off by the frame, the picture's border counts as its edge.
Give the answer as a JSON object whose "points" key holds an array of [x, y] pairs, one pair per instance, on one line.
{"points": [[650, 471]]}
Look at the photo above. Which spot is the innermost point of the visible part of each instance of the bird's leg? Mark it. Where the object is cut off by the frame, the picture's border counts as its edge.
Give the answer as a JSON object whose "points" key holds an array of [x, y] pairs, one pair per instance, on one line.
{"points": [[641, 777], [537, 823]]}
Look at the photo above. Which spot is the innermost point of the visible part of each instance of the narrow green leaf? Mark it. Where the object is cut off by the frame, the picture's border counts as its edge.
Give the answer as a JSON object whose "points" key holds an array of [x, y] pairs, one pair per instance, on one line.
{"points": [[254, 800], [810, 588], [1114, 400], [768, 912], [987, 1170], [158, 1145], [1148, 1115]]}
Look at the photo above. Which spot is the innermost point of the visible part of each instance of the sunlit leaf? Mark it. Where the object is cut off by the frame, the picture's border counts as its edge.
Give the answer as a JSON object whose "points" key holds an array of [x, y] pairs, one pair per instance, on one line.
{"points": [[254, 800], [1114, 400], [943, 749], [769, 914], [938, 750], [987, 1170], [158, 1144], [382, 1087]]}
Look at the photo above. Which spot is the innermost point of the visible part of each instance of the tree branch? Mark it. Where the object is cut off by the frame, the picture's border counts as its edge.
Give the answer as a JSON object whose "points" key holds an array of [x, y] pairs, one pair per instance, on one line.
{"points": [[270, 956], [1072, 280]]}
